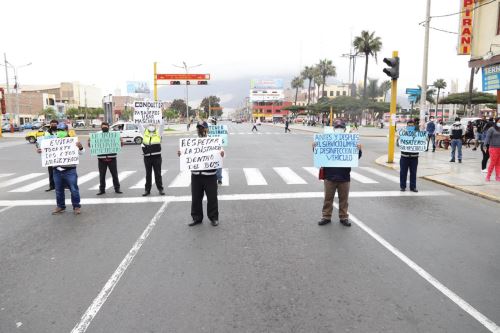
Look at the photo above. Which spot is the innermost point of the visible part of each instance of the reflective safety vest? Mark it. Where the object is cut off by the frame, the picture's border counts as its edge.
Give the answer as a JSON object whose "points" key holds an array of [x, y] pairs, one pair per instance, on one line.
{"points": [[151, 144]]}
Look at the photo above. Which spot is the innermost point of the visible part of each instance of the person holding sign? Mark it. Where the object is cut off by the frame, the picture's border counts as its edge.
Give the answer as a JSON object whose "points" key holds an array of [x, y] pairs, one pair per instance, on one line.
{"points": [[411, 142], [107, 144], [201, 157], [342, 149], [151, 149], [51, 132], [62, 153]]}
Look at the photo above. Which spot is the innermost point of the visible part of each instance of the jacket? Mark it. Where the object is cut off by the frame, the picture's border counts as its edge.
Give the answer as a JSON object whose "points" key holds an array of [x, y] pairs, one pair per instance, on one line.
{"points": [[431, 128], [339, 174], [151, 143], [457, 130], [492, 137]]}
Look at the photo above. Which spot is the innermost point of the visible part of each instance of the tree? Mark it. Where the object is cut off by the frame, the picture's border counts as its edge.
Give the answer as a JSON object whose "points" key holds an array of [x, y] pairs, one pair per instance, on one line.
{"points": [[429, 96], [385, 87], [95, 113], [72, 113], [439, 84], [170, 114], [48, 113], [297, 82], [127, 114], [463, 99], [179, 105], [308, 74], [373, 89], [213, 101], [318, 81], [368, 45], [326, 69]]}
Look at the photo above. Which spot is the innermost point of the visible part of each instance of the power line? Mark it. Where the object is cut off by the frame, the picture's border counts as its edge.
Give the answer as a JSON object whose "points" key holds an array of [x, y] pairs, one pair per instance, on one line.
{"points": [[460, 12]]}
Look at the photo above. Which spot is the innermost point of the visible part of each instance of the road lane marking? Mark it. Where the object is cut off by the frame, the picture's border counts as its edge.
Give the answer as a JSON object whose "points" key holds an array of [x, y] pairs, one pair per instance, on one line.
{"points": [[225, 177], [32, 186], [183, 179], [485, 321], [87, 177], [381, 174], [254, 177], [103, 295], [109, 181], [20, 179], [362, 179], [142, 182], [289, 176], [5, 175], [224, 197], [313, 171], [5, 208]]}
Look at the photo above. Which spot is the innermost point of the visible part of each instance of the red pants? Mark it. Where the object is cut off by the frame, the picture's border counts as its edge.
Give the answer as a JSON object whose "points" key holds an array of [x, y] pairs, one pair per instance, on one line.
{"points": [[494, 163]]}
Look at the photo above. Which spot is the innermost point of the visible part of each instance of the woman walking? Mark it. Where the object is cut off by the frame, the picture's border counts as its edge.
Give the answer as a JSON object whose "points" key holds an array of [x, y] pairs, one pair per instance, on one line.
{"points": [[469, 133], [492, 143], [486, 155]]}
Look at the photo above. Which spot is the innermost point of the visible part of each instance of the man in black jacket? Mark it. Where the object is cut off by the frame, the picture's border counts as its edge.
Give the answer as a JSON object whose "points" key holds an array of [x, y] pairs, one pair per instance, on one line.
{"points": [[337, 179], [51, 131]]}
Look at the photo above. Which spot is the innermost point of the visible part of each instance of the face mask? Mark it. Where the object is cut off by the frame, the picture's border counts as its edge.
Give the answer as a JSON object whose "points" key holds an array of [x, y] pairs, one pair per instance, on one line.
{"points": [[105, 129], [62, 134], [338, 130], [498, 124], [53, 128], [151, 128], [410, 128]]}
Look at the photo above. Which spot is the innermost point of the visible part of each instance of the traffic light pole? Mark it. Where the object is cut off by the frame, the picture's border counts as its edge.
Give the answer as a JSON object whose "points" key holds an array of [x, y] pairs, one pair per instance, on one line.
{"points": [[392, 116], [155, 80]]}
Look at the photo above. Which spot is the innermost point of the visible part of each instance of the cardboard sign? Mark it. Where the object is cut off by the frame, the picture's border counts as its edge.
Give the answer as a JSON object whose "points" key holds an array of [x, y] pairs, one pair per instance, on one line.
{"points": [[199, 154], [218, 131], [105, 143], [59, 151], [412, 142], [148, 112], [328, 129], [336, 150]]}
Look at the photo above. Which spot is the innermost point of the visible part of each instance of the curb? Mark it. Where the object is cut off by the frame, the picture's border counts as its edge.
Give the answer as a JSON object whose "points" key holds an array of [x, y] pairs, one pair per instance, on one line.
{"points": [[316, 132]]}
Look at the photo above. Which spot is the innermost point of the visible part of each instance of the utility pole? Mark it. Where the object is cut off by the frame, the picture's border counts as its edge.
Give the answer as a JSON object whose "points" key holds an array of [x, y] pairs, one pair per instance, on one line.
{"points": [[423, 97], [186, 68], [6, 80]]}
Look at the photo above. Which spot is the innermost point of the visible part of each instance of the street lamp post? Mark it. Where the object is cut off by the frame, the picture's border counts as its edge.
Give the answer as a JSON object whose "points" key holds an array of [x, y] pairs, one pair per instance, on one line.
{"points": [[187, 68], [16, 83]]}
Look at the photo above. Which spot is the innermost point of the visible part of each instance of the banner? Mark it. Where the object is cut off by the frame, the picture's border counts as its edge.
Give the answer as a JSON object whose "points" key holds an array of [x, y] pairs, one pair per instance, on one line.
{"points": [[336, 150], [491, 77], [105, 143], [199, 154], [465, 26], [266, 95], [218, 131], [137, 87], [412, 142], [266, 84], [59, 152], [148, 112]]}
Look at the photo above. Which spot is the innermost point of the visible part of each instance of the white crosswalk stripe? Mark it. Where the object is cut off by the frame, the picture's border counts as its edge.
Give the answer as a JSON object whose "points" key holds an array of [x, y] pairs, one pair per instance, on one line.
{"points": [[362, 179], [142, 182], [289, 176], [32, 186], [254, 177], [381, 174], [6, 174], [87, 177], [183, 179], [20, 179], [313, 171], [109, 182], [225, 177]]}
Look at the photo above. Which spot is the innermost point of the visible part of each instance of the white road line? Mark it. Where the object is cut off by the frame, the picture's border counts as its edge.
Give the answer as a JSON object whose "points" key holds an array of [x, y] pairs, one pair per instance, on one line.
{"points": [[254, 177], [109, 181], [142, 182], [5, 208], [289, 176], [183, 179], [32, 186], [5, 175], [103, 295], [87, 177], [226, 197], [313, 171], [20, 179], [381, 174], [486, 322], [225, 177], [362, 179]]}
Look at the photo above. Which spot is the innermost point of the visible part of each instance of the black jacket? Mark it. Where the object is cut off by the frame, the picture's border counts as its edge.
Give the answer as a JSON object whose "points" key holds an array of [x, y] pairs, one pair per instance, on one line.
{"points": [[339, 174]]}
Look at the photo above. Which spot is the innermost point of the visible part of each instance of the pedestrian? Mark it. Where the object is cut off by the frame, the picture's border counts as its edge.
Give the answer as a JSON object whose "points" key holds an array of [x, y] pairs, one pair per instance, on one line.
{"points": [[480, 124], [431, 133], [492, 142], [151, 149], [469, 133], [66, 176], [52, 131], [408, 162], [105, 162], [457, 131], [336, 180], [255, 126], [486, 155], [287, 124], [204, 183]]}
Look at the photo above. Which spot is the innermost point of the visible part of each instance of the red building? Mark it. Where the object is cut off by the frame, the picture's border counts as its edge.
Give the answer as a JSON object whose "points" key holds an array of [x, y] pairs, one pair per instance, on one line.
{"points": [[270, 111]]}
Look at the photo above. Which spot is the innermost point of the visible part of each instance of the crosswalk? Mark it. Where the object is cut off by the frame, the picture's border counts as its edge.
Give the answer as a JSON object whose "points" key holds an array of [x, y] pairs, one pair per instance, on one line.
{"points": [[245, 133], [253, 177]]}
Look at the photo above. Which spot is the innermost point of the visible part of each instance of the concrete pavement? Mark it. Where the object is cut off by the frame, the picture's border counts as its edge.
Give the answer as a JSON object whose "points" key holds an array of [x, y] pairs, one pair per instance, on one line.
{"points": [[362, 130]]}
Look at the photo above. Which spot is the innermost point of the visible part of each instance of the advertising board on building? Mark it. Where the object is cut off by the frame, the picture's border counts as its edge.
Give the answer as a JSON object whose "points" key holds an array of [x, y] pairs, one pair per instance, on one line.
{"points": [[465, 26], [137, 87], [266, 84], [266, 95], [491, 77]]}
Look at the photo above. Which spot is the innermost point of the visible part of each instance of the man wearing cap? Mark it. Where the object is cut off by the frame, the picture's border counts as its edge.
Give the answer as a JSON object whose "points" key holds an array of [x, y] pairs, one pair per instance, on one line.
{"points": [[337, 179], [204, 183], [151, 148]]}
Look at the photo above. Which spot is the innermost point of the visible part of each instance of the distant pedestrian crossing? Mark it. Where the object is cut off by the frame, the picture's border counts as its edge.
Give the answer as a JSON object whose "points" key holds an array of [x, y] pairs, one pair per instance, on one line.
{"points": [[252, 177]]}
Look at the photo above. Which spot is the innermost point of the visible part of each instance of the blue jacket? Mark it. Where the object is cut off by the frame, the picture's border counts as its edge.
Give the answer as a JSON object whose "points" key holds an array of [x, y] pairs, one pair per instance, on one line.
{"points": [[431, 128]]}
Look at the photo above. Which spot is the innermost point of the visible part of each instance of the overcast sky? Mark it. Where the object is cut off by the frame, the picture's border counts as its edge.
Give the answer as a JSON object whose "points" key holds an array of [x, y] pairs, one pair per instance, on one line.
{"points": [[107, 43]]}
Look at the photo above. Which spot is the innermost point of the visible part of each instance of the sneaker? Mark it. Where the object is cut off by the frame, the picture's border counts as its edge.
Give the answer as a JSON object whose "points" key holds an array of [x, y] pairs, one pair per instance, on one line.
{"points": [[58, 210], [488, 179], [214, 223], [459, 161], [324, 221], [76, 211], [484, 171], [345, 222]]}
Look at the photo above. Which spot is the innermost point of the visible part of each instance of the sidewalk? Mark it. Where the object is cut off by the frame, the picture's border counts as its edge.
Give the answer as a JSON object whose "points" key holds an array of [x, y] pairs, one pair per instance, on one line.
{"points": [[363, 131], [465, 176]]}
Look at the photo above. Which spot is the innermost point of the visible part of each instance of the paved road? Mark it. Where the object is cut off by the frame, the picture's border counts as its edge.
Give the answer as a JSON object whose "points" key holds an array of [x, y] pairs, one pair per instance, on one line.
{"points": [[410, 263]]}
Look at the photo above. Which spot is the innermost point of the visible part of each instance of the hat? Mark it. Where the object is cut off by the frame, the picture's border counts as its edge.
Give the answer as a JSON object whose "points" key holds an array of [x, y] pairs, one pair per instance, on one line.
{"points": [[62, 126], [338, 124], [202, 124]]}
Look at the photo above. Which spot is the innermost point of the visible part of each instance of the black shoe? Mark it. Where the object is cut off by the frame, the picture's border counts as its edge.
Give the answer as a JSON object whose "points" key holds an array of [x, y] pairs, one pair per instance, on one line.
{"points": [[214, 223], [427, 150], [414, 190], [192, 224], [459, 161], [50, 189], [161, 192], [434, 150], [145, 194], [345, 222], [118, 191], [402, 189], [453, 160], [324, 221], [100, 193], [219, 182]]}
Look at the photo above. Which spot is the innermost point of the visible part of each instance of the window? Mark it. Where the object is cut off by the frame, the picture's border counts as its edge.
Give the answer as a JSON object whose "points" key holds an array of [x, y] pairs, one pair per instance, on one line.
{"points": [[269, 111], [131, 127], [331, 93], [338, 93], [344, 93]]}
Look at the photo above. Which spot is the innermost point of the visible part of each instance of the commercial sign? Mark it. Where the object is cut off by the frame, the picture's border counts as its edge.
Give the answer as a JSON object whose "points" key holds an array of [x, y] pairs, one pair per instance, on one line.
{"points": [[491, 77], [183, 76], [465, 32], [199, 154], [137, 87], [414, 91], [148, 112], [266, 84], [59, 151], [336, 150], [266, 95]]}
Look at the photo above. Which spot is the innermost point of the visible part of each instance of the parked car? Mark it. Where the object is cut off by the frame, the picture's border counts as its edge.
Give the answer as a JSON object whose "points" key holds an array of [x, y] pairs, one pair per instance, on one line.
{"points": [[27, 125], [239, 121], [129, 132], [36, 125], [79, 123], [33, 136], [7, 128]]}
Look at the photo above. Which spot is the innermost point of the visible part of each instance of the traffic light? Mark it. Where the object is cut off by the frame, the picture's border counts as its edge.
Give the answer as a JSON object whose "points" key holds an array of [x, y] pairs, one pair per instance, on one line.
{"points": [[2, 101], [175, 83], [202, 83], [393, 71]]}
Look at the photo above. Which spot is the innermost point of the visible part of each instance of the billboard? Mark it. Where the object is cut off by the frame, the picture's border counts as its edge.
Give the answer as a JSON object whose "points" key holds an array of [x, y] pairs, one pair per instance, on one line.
{"points": [[138, 87], [465, 32], [266, 95], [266, 84], [491, 77]]}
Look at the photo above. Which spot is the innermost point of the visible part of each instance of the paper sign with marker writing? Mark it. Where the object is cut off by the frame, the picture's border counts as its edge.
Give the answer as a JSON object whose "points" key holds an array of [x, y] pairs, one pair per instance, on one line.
{"points": [[59, 151], [328, 129], [105, 143], [146, 112], [412, 141], [336, 150], [198, 154], [218, 131]]}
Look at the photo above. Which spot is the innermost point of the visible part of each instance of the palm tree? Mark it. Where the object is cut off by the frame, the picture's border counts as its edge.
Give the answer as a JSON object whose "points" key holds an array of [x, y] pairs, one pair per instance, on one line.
{"points": [[297, 82], [326, 69], [430, 95], [308, 74], [369, 45], [318, 80], [439, 84], [385, 87]]}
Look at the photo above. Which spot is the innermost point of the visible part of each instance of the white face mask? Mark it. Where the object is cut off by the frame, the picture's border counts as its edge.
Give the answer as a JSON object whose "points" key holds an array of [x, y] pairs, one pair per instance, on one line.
{"points": [[338, 130], [498, 124], [151, 128]]}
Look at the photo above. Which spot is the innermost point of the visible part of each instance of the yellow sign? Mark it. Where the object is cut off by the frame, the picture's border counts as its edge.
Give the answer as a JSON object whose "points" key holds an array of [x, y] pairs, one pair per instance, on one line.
{"points": [[465, 33]]}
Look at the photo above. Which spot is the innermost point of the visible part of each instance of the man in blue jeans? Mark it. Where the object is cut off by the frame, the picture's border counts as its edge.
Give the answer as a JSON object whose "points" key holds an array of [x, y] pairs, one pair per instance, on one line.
{"points": [[431, 133], [457, 131]]}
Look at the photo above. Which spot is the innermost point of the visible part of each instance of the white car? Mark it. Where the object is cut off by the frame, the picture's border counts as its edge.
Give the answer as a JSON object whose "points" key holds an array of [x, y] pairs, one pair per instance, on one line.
{"points": [[129, 132]]}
